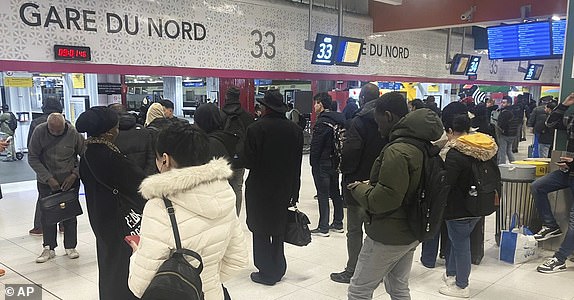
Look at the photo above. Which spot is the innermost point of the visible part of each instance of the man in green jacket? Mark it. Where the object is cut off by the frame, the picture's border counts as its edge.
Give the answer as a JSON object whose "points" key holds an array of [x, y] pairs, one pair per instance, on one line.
{"points": [[388, 249]]}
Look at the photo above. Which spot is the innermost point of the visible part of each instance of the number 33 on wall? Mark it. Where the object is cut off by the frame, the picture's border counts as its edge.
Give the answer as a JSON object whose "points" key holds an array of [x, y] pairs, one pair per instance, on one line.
{"points": [[266, 47]]}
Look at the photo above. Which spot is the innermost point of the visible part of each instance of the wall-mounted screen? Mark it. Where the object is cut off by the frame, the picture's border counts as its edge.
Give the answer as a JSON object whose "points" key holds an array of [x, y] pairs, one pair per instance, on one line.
{"points": [[472, 69], [558, 36], [349, 51], [325, 49], [459, 64], [533, 72], [520, 41]]}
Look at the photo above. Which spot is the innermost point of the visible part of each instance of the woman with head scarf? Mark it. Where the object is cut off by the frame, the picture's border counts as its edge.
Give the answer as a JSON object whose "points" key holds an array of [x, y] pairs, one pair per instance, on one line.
{"points": [[111, 184], [155, 118]]}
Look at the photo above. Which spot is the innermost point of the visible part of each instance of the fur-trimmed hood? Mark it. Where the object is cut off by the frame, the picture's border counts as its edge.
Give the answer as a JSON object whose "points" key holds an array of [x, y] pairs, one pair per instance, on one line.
{"points": [[199, 189], [478, 145]]}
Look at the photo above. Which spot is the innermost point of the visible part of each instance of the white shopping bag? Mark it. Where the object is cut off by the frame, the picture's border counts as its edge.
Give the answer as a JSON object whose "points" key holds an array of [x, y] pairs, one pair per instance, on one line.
{"points": [[517, 245]]}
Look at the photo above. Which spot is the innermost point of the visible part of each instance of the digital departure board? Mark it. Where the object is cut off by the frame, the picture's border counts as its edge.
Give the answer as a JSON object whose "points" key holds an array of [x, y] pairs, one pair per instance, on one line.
{"points": [[472, 69], [558, 36], [533, 72], [325, 49], [62, 52], [520, 41], [349, 51]]}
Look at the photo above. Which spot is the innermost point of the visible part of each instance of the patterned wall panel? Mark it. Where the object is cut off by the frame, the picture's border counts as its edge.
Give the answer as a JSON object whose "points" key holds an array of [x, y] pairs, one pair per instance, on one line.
{"points": [[233, 33]]}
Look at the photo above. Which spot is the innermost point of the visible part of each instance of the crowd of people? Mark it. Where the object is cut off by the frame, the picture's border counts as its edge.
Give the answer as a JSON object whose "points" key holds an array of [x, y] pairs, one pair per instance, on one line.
{"points": [[137, 175]]}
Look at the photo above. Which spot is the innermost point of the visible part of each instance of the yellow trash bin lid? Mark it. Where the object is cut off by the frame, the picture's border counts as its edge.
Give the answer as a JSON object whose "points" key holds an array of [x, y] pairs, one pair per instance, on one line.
{"points": [[541, 166]]}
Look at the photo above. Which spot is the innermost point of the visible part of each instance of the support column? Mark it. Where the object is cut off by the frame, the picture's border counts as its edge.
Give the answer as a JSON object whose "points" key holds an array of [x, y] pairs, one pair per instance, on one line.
{"points": [[75, 99], [567, 81], [173, 90]]}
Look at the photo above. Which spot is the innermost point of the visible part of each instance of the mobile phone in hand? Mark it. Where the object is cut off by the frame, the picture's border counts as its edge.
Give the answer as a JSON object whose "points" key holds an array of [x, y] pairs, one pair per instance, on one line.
{"points": [[135, 238]]}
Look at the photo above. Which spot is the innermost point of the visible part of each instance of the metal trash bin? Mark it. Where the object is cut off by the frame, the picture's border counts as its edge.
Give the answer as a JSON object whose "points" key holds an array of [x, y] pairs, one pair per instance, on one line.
{"points": [[516, 196]]}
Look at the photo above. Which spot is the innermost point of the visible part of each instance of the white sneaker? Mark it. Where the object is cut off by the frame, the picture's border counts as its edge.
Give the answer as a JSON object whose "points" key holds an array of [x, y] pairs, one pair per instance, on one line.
{"points": [[46, 255], [448, 280], [455, 291], [72, 253]]}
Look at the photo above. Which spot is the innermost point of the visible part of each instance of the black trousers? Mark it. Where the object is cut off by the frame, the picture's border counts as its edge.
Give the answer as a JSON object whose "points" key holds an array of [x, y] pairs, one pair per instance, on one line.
{"points": [[269, 256], [50, 230]]}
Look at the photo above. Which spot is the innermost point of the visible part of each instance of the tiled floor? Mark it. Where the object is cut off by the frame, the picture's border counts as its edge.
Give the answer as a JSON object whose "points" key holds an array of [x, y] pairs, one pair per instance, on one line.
{"points": [[308, 267]]}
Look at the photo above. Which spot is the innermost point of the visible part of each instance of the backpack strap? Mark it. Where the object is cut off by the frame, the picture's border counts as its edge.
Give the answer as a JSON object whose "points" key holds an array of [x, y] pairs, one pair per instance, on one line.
{"points": [[175, 229], [171, 213]]}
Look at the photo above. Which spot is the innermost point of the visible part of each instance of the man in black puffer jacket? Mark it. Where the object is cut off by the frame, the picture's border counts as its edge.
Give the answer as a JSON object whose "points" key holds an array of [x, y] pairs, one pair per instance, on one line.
{"points": [[135, 141], [537, 122], [323, 165], [363, 144], [508, 125]]}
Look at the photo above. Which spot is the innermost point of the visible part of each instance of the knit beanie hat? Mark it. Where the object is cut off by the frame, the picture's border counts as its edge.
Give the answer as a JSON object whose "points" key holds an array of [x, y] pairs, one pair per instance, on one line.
{"points": [[97, 120]]}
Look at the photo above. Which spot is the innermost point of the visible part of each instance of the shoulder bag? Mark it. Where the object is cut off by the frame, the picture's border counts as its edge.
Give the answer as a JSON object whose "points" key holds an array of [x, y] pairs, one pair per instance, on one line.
{"points": [[297, 230], [61, 206]]}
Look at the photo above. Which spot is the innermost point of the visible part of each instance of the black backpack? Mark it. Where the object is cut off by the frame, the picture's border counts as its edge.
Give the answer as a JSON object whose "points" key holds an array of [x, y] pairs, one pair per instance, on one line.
{"points": [[482, 198], [235, 126], [176, 277], [338, 140], [425, 209], [13, 122]]}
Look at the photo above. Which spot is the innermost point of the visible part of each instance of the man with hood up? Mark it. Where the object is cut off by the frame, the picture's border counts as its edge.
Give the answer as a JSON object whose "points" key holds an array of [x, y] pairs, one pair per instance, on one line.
{"points": [[50, 105], [233, 116], [324, 167], [388, 249], [135, 141], [363, 143]]}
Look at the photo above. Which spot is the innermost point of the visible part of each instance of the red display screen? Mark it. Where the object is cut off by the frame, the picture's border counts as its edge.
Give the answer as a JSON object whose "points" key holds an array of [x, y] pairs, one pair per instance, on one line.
{"points": [[72, 53]]}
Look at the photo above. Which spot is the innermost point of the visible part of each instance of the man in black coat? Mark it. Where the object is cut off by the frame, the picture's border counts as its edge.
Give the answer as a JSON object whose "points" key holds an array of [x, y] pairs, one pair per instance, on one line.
{"points": [[273, 152], [508, 126], [50, 105], [537, 122], [324, 164], [135, 141], [361, 147]]}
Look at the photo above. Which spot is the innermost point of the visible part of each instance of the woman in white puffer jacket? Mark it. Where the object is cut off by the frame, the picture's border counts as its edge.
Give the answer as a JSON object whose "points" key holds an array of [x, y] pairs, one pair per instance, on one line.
{"points": [[204, 208]]}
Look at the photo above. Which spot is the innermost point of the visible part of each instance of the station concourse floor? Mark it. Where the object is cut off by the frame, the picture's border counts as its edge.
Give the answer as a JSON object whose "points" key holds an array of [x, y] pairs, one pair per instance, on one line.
{"points": [[308, 268]]}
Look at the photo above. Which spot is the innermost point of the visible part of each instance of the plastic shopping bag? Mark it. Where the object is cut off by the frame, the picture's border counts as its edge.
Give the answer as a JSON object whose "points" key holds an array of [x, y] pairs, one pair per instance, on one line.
{"points": [[517, 245]]}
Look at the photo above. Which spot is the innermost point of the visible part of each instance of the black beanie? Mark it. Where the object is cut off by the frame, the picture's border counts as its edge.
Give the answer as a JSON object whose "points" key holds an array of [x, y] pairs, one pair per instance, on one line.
{"points": [[393, 102], [97, 120], [232, 95], [452, 110]]}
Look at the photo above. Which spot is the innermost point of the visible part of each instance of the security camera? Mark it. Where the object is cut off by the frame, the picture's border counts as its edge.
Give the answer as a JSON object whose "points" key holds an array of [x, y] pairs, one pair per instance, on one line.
{"points": [[467, 15]]}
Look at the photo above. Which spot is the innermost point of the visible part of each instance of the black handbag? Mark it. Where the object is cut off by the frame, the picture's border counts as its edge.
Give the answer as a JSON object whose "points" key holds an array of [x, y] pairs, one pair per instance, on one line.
{"points": [[297, 231], [61, 206]]}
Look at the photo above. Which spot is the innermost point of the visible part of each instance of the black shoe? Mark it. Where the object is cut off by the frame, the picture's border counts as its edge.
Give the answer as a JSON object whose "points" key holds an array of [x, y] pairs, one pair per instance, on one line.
{"points": [[319, 232], [336, 228], [343, 277], [547, 233], [256, 277], [552, 265]]}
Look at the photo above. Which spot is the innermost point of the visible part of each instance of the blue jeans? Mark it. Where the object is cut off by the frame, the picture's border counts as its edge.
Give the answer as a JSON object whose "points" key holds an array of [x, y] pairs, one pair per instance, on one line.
{"points": [[505, 148], [459, 260], [327, 184], [540, 188], [430, 248]]}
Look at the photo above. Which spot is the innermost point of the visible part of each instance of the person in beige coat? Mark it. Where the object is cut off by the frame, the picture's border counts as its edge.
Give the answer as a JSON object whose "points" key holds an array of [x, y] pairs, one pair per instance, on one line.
{"points": [[204, 205]]}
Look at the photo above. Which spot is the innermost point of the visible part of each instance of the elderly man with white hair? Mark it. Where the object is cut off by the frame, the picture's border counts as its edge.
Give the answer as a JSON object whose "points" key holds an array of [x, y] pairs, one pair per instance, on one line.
{"points": [[53, 154]]}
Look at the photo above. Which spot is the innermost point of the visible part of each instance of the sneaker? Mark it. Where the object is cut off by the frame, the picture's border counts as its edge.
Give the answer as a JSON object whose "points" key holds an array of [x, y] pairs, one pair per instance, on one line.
{"points": [[455, 291], [36, 231], [448, 280], [336, 228], [46, 255], [547, 233], [342, 277], [319, 232], [61, 227], [552, 265], [72, 253]]}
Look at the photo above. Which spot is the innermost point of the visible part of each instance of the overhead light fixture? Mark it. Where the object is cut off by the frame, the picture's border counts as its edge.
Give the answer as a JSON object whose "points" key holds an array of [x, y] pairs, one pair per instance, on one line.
{"points": [[391, 2], [556, 18]]}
